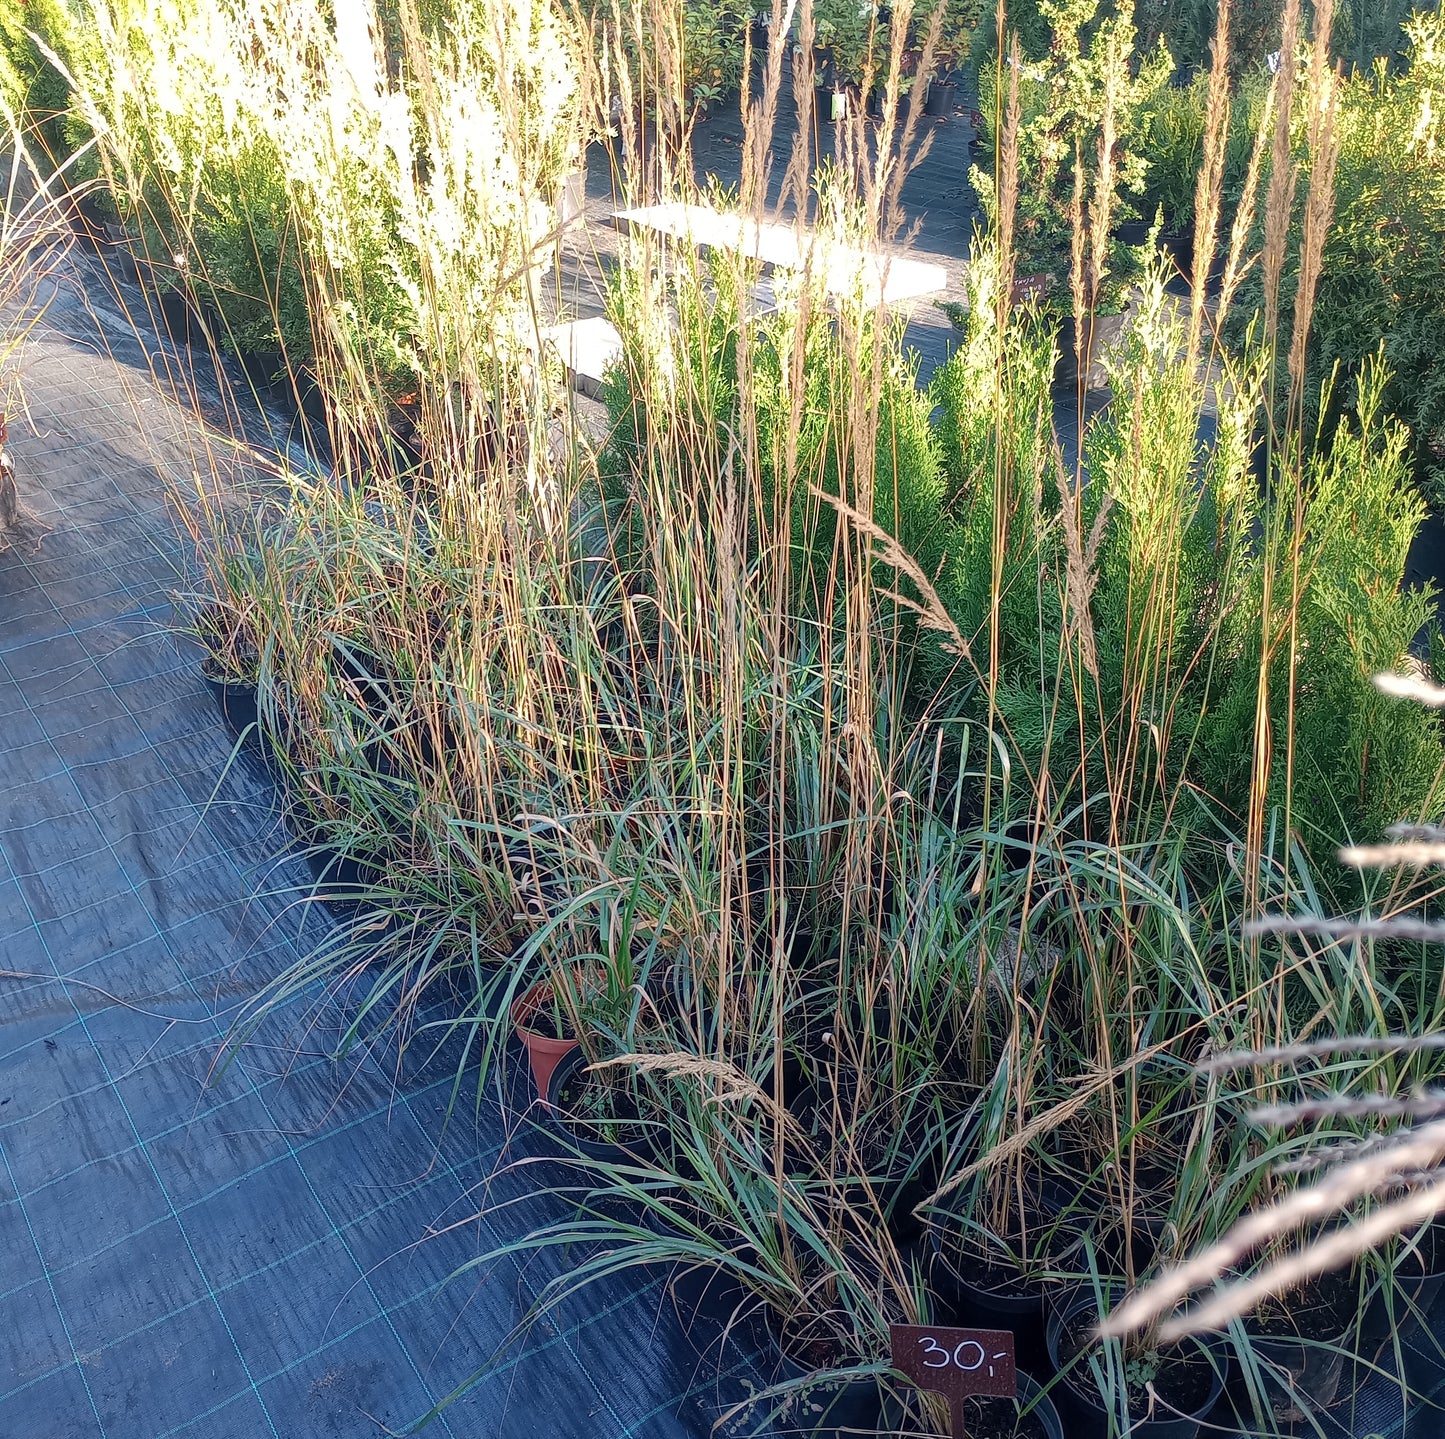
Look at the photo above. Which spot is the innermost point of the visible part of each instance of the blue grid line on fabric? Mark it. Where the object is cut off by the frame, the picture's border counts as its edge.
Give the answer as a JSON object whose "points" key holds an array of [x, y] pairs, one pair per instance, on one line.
{"points": [[60, 978], [54, 1297], [293, 1153], [163, 937], [225, 1288], [331, 1006], [405, 1104], [165, 1193], [230, 1184], [740, 1366], [561, 1336]]}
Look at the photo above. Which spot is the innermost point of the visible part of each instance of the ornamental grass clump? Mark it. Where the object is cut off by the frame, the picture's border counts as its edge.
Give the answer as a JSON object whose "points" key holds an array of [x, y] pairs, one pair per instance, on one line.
{"points": [[390, 176], [872, 790]]}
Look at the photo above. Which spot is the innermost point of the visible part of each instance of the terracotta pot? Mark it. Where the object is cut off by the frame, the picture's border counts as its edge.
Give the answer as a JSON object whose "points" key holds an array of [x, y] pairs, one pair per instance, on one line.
{"points": [[544, 1051]]}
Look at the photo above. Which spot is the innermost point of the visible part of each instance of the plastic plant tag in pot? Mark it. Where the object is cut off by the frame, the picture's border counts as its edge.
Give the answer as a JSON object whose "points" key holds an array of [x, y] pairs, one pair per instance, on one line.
{"points": [[956, 1363]]}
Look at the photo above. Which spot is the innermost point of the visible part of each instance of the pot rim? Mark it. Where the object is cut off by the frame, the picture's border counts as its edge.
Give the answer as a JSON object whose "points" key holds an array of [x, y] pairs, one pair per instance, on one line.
{"points": [[1029, 1393], [566, 1068], [1213, 1346], [524, 1006]]}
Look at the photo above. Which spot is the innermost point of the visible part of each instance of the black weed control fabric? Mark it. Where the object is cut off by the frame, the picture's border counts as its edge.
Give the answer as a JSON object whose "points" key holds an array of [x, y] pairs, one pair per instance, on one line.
{"points": [[256, 1249], [259, 1248]]}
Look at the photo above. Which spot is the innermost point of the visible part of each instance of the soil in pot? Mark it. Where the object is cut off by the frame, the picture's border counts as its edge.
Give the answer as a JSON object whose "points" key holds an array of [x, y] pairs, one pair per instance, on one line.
{"points": [[600, 1114], [1168, 1391], [906, 1415], [538, 1012], [821, 1408], [1301, 1341]]}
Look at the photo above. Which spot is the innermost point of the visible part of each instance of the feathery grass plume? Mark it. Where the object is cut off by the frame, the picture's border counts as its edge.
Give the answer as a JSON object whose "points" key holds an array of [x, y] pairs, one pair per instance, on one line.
{"points": [[1415, 854], [1395, 927], [1117, 35], [1347, 1182], [1283, 173], [912, 150], [1208, 191], [1279, 203], [1080, 559], [1236, 264], [1323, 148], [1007, 171], [1321, 1049], [1410, 687]]}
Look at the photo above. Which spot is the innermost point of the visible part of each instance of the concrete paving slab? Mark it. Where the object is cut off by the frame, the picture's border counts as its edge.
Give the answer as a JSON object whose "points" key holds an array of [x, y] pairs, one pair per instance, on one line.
{"points": [[846, 270]]}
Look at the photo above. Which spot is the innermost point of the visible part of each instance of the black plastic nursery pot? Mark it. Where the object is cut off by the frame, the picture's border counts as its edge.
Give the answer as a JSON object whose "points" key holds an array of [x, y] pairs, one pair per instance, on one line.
{"points": [[1015, 1303], [1301, 1348], [941, 97], [264, 369], [990, 1291], [1418, 1272], [1105, 334], [1031, 1415], [1185, 1397], [237, 701], [709, 1302], [342, 875], [623, 1140], [177, 309], [822, 1408], [1301, 1377]]}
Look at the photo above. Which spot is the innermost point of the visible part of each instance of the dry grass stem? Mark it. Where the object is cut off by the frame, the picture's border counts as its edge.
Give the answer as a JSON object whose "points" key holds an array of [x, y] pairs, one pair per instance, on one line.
{"points": [[1288, 1274], [1421, 1148]]}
